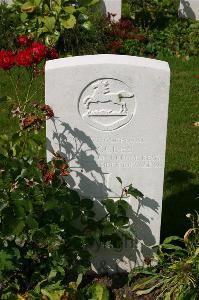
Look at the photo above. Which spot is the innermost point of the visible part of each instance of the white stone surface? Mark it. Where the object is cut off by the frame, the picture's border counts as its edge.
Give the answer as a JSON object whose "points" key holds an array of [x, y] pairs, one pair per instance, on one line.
{"points": [[6, 1], [111, 120], [189, 9], [113, 7]]}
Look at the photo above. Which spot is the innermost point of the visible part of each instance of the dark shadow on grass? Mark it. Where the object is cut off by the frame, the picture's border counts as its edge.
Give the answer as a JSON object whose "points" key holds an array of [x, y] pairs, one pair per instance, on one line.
{"points": [[184, 200]]}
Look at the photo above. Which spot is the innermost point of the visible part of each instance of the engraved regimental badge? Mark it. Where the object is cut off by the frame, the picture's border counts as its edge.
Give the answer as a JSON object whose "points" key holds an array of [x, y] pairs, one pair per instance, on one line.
{"points": [[107, 104]]}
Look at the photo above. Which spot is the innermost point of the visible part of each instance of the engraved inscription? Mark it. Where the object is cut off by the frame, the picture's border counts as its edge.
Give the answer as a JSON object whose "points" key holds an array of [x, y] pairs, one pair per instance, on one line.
{"points": [[107, 104]]}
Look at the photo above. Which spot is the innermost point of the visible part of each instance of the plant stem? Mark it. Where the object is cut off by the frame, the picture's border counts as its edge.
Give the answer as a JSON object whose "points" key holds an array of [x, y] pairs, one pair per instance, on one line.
{"points": [[28, 91], [14, 86], [24, 143]]}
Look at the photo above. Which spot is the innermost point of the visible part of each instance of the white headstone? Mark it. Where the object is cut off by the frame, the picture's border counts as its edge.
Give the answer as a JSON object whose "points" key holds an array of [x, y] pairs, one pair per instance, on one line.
{"points": [[111, 120], [113, 7], [5, 1], [189, 9]]}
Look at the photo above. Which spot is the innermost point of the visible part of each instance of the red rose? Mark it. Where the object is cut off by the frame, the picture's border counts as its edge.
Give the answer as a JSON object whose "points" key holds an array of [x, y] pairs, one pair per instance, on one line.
{"points": [[47, 110], [7, 60], [52, 53], [24, 40], [38, 52], [49, 176], [64, 170], [24, 58], [30, 121]]}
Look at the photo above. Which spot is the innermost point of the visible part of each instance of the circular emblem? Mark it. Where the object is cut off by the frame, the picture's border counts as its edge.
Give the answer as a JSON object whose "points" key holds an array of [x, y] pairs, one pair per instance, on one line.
{"points": [[107, 104]]}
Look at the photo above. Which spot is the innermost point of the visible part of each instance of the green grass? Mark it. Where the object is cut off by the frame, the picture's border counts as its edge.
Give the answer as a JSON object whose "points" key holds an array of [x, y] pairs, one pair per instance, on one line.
{"points": [[7, 122], [181, 186]]}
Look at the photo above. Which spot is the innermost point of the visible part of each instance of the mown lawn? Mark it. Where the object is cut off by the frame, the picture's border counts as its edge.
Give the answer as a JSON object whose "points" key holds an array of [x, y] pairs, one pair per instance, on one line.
{"points": [[181, 187]]}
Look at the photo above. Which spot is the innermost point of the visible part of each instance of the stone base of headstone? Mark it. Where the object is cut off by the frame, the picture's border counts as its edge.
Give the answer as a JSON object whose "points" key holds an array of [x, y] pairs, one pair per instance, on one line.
{"points": [[189, 9]]}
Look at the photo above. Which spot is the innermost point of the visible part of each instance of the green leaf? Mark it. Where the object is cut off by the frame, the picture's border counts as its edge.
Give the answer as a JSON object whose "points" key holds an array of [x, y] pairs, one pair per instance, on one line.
{"points": [[119, 179], [99, 292], [28, 7], [134, 192], [77, 242], [79, 279], [108, 228], [169, 239], [167, 296], [23, 17], [142, 270], [52, 274], [87, 203], [4, 99], [143, 282], [127, 233], [46, 9], [69, 9], [57, 7], [31, 222], [19, 226], [49, 23], [196, 253], [87, 25], [37, 2], [50, 204], [3, 204], [6, 261], [67, 211], [110, 205], [120, 220], [149, 290], [69, 23], [172, 247], [52, 295], [94, 2], [124, 204]]}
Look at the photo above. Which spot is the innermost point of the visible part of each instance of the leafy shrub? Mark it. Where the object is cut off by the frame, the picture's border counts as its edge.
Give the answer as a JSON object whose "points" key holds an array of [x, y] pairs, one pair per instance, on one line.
{"points": [[165, 33], [48, 20], [8, 24], [151, 13], [119, 32], [84, 40], [177, 274], [178, 38], [46, 228]]}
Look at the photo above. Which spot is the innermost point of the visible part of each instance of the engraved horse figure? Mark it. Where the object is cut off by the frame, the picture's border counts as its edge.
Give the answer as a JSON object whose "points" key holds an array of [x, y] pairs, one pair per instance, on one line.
{"points": [[102, 94]]}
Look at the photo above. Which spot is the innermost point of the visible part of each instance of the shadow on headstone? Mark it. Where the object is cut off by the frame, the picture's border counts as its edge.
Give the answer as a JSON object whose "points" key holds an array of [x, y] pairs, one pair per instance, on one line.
{"points": [[88, 179], [186, 11]]}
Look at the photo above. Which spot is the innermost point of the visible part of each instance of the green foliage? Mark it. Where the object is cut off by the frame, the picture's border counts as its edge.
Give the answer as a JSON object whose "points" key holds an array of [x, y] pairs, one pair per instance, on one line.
{"points": [[151, 13], [8, 24], [99, 292], [176, 275], [179, 38], [46, 229], [84, 40], [48, 20], [165, 33]]}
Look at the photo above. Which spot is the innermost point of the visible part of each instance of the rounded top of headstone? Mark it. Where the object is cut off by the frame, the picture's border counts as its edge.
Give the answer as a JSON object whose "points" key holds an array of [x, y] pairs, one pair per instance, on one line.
{"points": [[107, 59]]}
